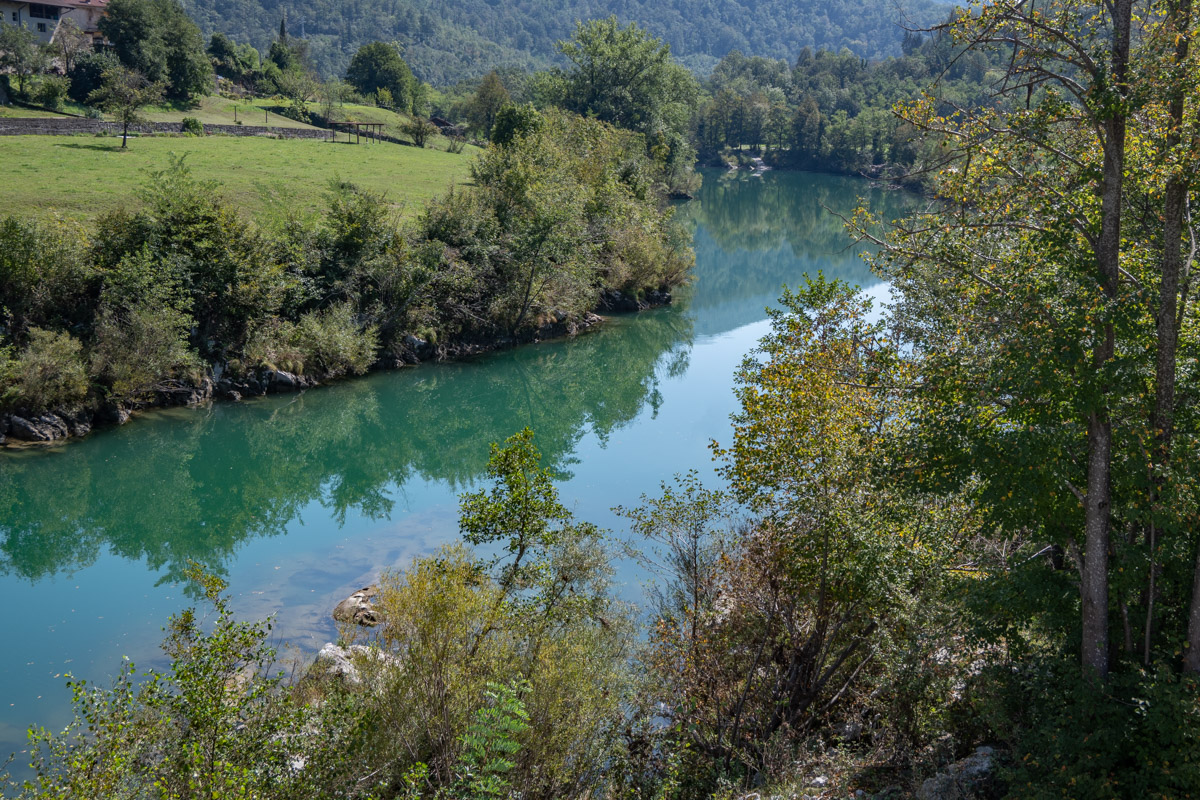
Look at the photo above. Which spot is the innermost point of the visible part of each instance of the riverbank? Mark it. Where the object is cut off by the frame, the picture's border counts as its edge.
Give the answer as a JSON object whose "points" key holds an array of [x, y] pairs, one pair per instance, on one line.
{"points": [[190, 296], [32, 429]]}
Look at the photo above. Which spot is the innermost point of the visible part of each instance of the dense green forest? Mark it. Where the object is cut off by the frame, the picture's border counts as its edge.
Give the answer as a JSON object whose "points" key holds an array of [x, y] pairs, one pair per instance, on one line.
{"points": [[834, 111], [445, 42]]}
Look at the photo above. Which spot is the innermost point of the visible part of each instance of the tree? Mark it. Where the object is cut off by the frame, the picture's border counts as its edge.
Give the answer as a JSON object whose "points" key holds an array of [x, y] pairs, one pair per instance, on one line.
{"points": [[419, 130], [513, 121], [1048, 307], [69, 43], [87, 73], [20, 53], [626, 77], [378, 65], [771, 625], [159, 40], [124, 93], [489, 98], [332, 94]]}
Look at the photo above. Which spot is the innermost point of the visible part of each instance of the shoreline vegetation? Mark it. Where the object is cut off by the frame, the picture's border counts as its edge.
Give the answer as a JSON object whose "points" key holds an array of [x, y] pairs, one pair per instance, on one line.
{"points": [[185, 299]]}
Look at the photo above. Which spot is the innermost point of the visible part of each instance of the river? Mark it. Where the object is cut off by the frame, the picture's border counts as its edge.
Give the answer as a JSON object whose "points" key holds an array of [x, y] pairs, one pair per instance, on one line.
{"points": [[298, 500]]}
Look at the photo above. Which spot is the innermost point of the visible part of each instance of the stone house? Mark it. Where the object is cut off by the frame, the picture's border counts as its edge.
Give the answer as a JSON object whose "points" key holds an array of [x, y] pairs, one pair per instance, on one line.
{"points": [[44, 18]]}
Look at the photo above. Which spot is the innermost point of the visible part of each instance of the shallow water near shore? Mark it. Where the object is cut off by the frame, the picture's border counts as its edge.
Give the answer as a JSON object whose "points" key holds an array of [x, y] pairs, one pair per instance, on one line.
{"points": [[298, 500]]}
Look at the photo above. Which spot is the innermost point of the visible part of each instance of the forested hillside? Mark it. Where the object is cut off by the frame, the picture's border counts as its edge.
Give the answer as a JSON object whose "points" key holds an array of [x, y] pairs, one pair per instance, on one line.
{"points": [[449, 40]]}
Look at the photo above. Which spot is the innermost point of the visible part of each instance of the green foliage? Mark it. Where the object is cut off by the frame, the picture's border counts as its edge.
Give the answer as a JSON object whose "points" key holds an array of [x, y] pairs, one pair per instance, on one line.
{"points": [[185, 280], [327, 343], [213, 725], [490, 744], [141, 331], [157, 39], [503, 674], [332, 342], [1135, 737], [51, 92], [47, 374], [521, 511], [192, 126], [767, 630], [512, 121], [123, 93], [486, 103], [87, 73], [419, 130], [445, 41], [233, 61], [626, 77], [378, 66], [832, 111], [45, 277], [20, 54]]}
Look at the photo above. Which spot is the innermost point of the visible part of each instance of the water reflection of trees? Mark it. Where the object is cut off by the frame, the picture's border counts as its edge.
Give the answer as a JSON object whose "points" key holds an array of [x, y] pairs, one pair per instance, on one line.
{"points": [[195, 484], [754, 234]]}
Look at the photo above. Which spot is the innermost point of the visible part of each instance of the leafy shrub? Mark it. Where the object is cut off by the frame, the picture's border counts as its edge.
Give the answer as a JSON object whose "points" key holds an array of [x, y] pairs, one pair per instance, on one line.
{"points": [[330, 343], [48, 373], [142, 349], [513, 121], [1136, 736], [272, 345], [46, 279], [419, 130], [87, 73], [542, 612], [333, 342], [51, 92], [192, 126], [215, 724]]}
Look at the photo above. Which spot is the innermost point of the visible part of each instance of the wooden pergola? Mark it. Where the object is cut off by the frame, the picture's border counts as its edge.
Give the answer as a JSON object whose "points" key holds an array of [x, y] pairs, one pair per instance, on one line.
{"points": [[358, 131]]}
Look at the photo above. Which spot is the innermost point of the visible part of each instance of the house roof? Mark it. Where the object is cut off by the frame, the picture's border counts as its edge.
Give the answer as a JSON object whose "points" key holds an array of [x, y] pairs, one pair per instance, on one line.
{"points": [[73, 3]]}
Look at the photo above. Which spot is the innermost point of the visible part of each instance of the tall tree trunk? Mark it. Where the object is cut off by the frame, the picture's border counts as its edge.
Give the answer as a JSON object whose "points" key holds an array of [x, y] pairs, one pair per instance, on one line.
{"points": [[1169, 317], [1168, 321], [1097, 505]]}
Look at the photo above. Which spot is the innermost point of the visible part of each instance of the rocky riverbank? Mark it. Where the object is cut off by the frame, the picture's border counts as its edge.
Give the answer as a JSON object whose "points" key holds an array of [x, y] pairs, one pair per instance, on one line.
{"points": [[24, 427]]}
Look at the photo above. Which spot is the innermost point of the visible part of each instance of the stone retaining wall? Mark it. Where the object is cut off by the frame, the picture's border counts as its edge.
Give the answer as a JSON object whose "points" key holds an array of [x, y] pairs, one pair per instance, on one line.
{"points": [[59, 126]]}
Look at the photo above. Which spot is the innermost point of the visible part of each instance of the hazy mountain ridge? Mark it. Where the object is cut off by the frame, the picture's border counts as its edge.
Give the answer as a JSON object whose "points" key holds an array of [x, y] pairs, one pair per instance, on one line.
{"points": [[449, 40]]}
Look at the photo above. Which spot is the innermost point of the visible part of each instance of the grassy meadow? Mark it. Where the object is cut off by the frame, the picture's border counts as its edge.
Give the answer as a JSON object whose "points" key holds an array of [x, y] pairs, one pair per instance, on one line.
{"points": [[80, 177]]}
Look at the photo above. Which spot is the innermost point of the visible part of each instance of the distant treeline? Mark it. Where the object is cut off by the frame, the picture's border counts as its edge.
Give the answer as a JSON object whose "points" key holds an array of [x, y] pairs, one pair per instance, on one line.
{"points": [[833, 111]]}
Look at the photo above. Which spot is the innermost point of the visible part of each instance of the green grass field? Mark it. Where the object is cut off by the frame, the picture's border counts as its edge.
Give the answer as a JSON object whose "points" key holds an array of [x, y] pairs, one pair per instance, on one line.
{"points": [[18, 112], [223, 111], [79, 177], [264, 111]]}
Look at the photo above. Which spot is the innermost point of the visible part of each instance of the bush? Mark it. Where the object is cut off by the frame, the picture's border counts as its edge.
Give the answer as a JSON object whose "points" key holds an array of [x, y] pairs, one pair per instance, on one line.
{"points": [[419, 130], [334, 343], [141, 350], [87, 73], [46, 279], [217, 723], [513, 121], [329, 343], [48, 374], [542, 615], [192, 126], [51, 92]]}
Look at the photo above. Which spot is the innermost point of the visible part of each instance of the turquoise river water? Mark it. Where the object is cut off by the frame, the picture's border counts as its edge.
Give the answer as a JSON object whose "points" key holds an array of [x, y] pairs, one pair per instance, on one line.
{"points": [[300, 499]]}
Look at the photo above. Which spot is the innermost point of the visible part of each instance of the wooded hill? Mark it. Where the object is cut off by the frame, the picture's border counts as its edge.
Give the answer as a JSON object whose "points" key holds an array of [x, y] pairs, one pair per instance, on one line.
{"points": [[450, 40]]}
